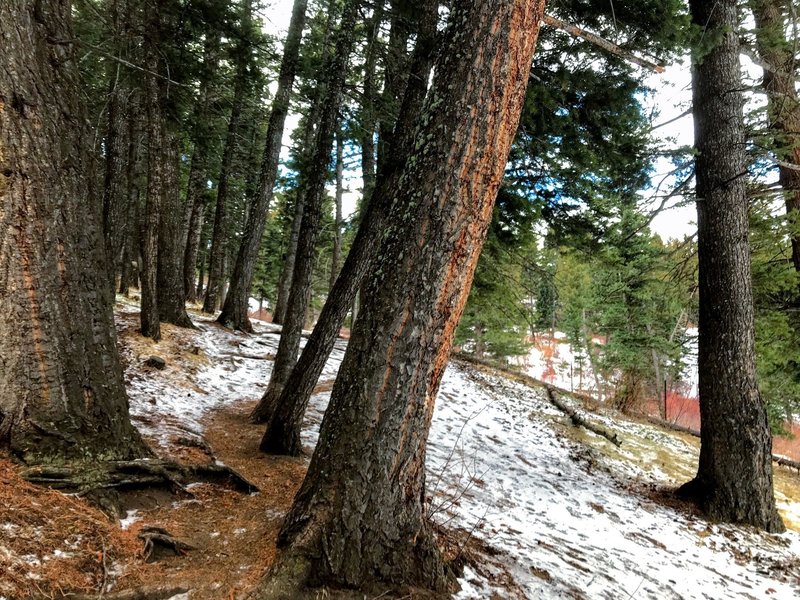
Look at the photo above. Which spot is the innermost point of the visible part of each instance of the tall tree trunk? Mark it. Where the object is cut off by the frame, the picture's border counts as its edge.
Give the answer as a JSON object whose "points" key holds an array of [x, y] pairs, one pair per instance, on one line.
{"points": [[171, 293], [115, 183], [317, 176], [156, 181], [359, 515], [307, 148], [197, 187], [336, 252], [734, 478], [62, 394], [396, 73], [285, 416], [287, 271], [234, 312], [778, 55], [368, 104], [133, 177], [219, 238]]}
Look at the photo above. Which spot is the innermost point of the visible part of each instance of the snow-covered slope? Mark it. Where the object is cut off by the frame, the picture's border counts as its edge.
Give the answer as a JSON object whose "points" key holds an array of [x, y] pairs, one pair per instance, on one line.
{"points": [[561, 512]]}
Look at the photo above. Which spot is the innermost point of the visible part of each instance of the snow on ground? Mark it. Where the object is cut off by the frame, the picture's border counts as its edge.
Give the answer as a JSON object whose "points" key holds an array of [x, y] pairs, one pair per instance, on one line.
{"points": [[217, 367], [565, 516]]}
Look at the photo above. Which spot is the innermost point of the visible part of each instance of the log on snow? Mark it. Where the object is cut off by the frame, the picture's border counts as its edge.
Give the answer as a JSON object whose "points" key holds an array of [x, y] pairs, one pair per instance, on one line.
{"points": [[578, 420]]}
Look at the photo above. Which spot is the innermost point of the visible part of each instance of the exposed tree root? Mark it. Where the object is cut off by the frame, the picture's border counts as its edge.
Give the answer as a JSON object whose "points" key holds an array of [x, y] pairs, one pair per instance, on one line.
{"points": [[578, 420], [158, 541], [99, 481], [144, 593]]}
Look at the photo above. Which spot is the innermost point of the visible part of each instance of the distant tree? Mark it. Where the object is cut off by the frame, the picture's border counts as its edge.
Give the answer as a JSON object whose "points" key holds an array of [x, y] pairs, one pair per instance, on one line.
{"points": [[359, 516], [284, 415], [734, 478], [62, 394], [779, 57], [234, 309], [314, 186]]}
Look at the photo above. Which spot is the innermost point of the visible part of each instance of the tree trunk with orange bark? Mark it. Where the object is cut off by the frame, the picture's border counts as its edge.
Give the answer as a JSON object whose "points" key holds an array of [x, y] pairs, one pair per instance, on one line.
{"points": [[359, 516], [62, 395]]}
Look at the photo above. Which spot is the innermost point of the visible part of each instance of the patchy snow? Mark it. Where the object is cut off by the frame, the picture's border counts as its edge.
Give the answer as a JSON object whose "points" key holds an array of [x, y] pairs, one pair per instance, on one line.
{"points": [[566, 513], [131, 517]]}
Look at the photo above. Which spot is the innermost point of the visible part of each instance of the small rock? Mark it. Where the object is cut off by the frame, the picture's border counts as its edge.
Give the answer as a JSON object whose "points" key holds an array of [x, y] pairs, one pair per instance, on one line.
{"points": [[156, 362]]}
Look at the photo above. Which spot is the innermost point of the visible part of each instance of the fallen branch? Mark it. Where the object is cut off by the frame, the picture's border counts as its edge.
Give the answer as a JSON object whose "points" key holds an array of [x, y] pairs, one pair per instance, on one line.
{"points": [[158, 540], [578, 420]]}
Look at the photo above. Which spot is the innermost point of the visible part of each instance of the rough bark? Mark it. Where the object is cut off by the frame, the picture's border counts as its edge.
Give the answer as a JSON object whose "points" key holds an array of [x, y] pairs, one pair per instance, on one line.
{"points": [[778, 55], [285, 415], [359, 515], [336, 252], [234, 312], [219, 238], [171, 293], [62, 394], [196, 192], [314, 184], [154, 114], [734, 478], [115, 183]]}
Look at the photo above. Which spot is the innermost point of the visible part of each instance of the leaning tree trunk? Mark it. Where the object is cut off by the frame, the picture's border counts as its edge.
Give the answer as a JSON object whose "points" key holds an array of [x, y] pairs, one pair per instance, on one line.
{"points": [[287, 271], [734, 478], [336, 252], [234, 311], [316, 177], [285, 416], [62, 393], [780, 66], [359, 515]]}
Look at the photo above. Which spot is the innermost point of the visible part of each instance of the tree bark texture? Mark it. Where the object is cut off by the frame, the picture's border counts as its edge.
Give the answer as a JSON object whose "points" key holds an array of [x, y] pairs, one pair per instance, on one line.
{"points": [[62, 394], [156, 178], [359, 515], [316, 176], [171, 293], [234, 312], [285, 416], [778, 54], [197, 188], [336, 252], [734, 478]]}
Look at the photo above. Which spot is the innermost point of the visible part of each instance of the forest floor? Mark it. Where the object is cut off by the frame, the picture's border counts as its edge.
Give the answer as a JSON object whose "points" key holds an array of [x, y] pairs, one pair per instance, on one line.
{"points": [[537, 507]]}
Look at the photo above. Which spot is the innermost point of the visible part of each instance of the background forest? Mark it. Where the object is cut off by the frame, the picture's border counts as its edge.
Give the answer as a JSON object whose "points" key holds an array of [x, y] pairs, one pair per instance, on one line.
{"points": [[570, 248]]}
